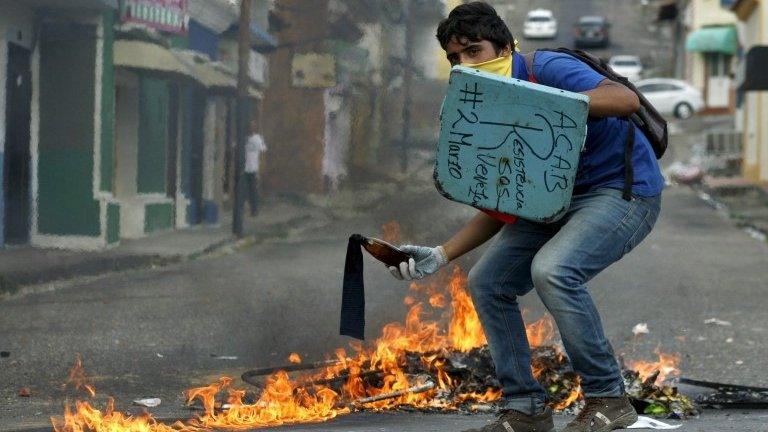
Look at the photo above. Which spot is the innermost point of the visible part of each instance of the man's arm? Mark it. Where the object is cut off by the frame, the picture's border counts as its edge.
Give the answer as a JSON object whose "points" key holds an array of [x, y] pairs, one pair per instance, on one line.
{"points": [[476, 232], [611, 99]]}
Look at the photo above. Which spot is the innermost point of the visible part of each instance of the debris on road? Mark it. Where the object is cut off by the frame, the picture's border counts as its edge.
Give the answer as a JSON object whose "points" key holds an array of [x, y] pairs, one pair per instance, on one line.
{"points": [[223, 357], [717, 321], [685, 174], [729, 396], [644, 422], [148, 402], [658, 401], [640, 328], [5, 354], [25, 392]]}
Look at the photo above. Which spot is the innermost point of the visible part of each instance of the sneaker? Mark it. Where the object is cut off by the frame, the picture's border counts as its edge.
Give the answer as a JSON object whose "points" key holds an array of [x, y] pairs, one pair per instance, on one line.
{"points": [[516, 421], [603, 415]]}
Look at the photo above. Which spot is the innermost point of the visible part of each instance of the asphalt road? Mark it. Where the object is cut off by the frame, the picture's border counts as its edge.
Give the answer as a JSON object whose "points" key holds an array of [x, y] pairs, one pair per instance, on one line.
{"points": [[158, 332], [632, 29]]}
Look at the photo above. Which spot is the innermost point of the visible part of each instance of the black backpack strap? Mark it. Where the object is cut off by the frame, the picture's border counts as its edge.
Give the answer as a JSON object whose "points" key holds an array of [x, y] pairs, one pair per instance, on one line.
{"points": [[629, 172]]}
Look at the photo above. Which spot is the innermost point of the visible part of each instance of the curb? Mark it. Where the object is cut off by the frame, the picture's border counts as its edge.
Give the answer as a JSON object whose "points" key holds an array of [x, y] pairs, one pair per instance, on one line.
{"points": [[16, 282]]}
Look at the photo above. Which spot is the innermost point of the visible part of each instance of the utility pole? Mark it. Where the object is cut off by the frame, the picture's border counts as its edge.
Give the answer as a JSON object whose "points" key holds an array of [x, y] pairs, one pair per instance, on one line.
{"points": [[405, 136], [243, 112]]}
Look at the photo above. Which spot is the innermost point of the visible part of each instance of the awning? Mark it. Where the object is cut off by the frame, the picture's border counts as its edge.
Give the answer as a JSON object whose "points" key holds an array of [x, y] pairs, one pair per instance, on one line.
{"points": [[720, 39], [205, 72], [755, 76], [134, 54], [214, 76]]}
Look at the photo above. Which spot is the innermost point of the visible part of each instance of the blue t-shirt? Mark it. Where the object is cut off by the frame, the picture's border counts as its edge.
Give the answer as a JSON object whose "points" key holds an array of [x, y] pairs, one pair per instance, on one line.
{"points": [[602, 162]]}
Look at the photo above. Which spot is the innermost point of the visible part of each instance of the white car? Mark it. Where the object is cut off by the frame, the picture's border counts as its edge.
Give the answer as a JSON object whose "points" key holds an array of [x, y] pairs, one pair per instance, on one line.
{"points": [[628, 66], [540, 24], [671, 96]]}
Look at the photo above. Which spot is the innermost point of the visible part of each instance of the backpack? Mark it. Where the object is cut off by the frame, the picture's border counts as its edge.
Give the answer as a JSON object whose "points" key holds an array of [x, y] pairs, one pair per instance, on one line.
{"points": [[647, 118]]}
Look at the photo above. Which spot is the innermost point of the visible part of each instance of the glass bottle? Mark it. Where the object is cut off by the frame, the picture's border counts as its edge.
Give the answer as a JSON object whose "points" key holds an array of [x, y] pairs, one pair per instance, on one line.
{"points": [[382, 251]]}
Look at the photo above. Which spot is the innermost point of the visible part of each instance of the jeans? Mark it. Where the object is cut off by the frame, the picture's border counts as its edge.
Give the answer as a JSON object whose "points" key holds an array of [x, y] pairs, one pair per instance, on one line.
{"points": [[252, 189], [557, 259]]}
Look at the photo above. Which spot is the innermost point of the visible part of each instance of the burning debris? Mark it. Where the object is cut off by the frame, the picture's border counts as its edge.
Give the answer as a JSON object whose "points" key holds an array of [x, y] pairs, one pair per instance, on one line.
{"points": [[729, 395], [421, 364]]}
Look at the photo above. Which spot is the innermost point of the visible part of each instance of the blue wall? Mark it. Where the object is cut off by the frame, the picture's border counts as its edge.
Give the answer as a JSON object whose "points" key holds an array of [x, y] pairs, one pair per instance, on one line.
{"points": [[203, 40]]}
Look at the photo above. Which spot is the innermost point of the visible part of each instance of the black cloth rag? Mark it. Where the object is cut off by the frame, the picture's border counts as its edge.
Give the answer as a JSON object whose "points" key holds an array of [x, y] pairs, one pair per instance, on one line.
{"points": [[353, 292]]}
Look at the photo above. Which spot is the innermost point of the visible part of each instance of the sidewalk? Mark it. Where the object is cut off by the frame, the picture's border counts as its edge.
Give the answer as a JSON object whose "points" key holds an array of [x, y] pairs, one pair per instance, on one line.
{"points": [[745, 202], [27, 265]]}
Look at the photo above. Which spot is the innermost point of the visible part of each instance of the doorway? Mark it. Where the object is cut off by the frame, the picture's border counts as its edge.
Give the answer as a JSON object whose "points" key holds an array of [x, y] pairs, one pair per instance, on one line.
{"points": [[16, 169]]}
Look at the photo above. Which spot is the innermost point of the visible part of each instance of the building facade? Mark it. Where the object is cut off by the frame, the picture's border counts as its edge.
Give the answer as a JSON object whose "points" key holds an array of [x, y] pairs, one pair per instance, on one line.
{"points": [[711, 47], [115, 118], [754, 85]]}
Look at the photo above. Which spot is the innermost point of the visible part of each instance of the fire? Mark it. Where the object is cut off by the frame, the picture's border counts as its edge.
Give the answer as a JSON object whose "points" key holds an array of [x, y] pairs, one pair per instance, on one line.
{"points": [[78, 379], [282, 401], [666, 365], [371, 377], [540, 332], [573, 396]]}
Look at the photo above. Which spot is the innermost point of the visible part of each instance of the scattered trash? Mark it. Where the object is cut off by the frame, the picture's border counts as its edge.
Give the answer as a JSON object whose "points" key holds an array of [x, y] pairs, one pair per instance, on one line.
{"points": [[644, 422], [294, 358], [148, 402], [159, 355], [685, 174], [755, 234], [223, 357], [25, 392], [657, 400], [5, 354], [716, 321], [729, 395], [739, 362], [640, 328], [729, 340]]}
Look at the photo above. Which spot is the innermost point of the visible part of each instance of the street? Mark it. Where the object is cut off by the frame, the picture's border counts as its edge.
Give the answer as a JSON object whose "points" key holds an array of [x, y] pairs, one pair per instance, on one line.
{"points": [[155, 333], [698, 281]]}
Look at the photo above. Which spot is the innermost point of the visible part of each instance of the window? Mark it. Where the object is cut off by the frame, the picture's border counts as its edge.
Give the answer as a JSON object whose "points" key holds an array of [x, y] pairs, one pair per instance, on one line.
{"points": [[717, 64]]}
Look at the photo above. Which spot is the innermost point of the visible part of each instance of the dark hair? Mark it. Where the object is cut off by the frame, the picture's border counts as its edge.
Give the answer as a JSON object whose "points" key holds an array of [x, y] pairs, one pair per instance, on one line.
{"points": [[475, 21]]}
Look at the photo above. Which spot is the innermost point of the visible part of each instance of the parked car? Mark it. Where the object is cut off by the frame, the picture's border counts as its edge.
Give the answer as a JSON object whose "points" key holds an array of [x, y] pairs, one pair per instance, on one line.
{"points": [[540, 24], [628, 66], [592, 31], [671, 96]]}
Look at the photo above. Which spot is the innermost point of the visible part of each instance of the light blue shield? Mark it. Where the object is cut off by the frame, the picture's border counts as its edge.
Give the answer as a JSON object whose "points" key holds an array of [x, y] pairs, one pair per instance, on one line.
{"points": [[508, 145]]}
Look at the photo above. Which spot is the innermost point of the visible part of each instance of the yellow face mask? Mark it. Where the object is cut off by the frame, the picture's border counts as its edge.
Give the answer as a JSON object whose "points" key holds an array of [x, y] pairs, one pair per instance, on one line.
{"points": [[499, 66]]}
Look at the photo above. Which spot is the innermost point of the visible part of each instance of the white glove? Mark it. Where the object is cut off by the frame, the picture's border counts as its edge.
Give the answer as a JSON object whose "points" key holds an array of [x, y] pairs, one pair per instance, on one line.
{"points": [[425, 261]]}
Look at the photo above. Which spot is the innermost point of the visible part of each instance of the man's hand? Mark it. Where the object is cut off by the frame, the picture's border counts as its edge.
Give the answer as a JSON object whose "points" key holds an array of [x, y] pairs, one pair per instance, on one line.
{"points": [[425, 261]]}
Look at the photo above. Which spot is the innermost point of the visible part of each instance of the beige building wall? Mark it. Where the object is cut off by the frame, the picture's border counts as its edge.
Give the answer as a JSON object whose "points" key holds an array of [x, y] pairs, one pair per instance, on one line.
{"points": [[755, 108], [702, 13]]}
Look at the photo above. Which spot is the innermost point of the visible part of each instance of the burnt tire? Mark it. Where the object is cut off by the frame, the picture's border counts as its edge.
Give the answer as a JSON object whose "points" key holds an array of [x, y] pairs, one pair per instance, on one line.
{"points": [[683, 111]]}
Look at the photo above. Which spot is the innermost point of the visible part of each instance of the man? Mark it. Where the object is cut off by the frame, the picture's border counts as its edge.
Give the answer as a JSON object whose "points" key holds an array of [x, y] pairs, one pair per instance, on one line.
{"points": [[556, 259], [253, 149]]}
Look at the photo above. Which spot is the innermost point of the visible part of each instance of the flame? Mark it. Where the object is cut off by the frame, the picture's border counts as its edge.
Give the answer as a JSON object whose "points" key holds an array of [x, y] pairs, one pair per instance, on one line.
{"points": [[445, 322], [85, 418], [294, 358], [540, 332], [390, 232], [282, 401], [574, 395], [666, 365], [78, 379]]}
